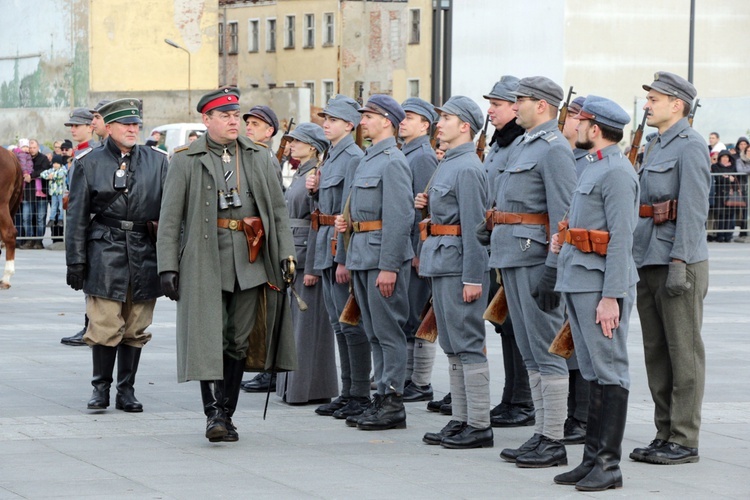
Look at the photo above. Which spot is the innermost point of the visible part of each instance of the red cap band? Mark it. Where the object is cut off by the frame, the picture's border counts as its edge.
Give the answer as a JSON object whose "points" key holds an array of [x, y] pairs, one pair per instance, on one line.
{"points": [[218, 102]]}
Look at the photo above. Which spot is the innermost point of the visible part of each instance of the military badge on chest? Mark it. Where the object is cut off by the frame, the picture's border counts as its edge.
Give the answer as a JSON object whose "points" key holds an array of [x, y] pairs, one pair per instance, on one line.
{"points": [[121, 179]]}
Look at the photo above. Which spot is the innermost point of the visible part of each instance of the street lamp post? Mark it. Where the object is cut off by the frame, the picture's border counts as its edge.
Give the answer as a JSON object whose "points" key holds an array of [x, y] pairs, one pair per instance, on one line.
{"points": [[173, 44]]}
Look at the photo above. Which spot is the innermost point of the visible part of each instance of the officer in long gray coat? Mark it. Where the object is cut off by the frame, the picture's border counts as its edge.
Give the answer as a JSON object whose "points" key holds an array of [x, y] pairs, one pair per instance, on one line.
{"points": [[415, 131], [379, 254], [672, 257], [597, 276], [456, 263], [340, 118], [532, 194]]}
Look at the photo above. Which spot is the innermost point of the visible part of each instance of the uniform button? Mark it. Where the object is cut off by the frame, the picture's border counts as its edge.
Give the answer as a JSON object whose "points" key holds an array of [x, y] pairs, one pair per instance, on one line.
{"points": [[205, 236], [208, 187], [206, 203], [206, 220]]}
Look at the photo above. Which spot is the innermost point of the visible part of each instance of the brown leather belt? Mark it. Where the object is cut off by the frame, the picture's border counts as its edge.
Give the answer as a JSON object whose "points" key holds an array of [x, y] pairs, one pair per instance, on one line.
{"points": [[588, 240], [327, 220], [232, 224], [660, 212], [427, 228], [496, 217], [367, 225]]}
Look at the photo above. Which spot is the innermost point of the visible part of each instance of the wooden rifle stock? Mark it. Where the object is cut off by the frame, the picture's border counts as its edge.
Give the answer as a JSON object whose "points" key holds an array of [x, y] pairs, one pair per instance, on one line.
{"points": [[428, 327], [693, 110], [562, 345], [482, 142], [497, 311], [564, 110], [351, 313], [284, 141], [636, 145]]}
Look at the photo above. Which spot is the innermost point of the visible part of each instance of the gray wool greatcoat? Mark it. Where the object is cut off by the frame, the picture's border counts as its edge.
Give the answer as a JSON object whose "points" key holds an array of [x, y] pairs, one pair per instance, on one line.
{"points": [[190, 201], [115, 258]]}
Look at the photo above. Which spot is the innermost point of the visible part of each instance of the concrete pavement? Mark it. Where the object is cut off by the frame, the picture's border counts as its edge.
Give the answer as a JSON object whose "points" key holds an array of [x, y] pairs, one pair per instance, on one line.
{"points": [[52, 447]]}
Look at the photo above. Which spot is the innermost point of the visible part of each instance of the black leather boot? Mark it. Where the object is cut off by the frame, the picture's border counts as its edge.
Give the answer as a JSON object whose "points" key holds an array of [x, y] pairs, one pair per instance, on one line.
{"points": [[104, 363], [77, 339], [354, 407], [435, 405], [511, 454], [212, 393], [234, 370], [370, 409], [390, 414], [549, 453], [606, 472], [262, 382], [591, 443], [127, 366], [469, 437], [451, 429]]}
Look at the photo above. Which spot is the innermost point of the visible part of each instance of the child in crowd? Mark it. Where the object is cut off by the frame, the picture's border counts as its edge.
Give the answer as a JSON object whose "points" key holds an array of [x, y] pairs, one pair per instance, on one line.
{"points": [[56, 187]]}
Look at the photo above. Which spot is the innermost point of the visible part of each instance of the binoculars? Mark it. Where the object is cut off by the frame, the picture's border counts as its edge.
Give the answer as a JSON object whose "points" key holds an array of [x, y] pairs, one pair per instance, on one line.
{"points": [[231, 199]]}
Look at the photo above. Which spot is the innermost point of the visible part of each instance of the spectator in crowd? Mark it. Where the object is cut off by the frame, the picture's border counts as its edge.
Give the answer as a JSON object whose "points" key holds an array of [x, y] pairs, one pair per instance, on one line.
{"points": [[66, 149], [57, 148], [35, 196], [742, 163], [192, 136], [726, 184], [56, 187], [24, 158], [714, 144]]}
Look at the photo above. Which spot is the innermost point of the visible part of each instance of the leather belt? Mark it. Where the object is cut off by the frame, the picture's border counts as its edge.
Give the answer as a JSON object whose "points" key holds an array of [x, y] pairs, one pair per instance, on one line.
{"points": [[496, 217], [444, 230], [125, 225], [660, 212], [327, 220], [588, 241], [367, 225], [231, 224]]}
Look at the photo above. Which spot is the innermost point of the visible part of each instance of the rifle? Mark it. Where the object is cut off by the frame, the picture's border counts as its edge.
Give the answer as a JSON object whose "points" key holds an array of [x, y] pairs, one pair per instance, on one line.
{"points": [[482, 142], [693, 110], [433, 138], [564, 110], [636, 145], [284, 141], [358, 138]]}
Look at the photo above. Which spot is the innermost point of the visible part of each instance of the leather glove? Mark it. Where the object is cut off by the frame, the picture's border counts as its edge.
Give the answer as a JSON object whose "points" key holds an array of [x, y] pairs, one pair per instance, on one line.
{"points": [[288, 270], [75, 276], [484, 235], [677, 282], [545, 295], [170, 284]]}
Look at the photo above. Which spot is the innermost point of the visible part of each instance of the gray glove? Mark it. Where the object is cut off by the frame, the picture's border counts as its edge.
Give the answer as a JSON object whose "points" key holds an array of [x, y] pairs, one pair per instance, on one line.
{"points": [[677, 282], [484, 235]]}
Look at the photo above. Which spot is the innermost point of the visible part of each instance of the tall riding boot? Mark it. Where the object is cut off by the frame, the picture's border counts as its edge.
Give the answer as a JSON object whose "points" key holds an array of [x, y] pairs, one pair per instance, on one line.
{"points": [[606, 472], [127, 366], [478, 432], [212, 393], [234, 369], [104, 363], [591, 444]]}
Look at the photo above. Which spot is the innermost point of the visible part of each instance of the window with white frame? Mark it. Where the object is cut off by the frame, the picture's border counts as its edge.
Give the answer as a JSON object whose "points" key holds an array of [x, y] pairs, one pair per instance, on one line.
{"points": [[234, 42], [221, 38], [310, 85], [289, 32], [328, 32], [253, 35], [270, 35], [328, 91], [309, 31], [415, 27], [413, 87]]}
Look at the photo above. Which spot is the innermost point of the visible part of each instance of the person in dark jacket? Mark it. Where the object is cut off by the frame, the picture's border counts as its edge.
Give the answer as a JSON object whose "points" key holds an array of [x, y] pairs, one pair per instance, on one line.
{"points": [[726, 184], [115, 191]]}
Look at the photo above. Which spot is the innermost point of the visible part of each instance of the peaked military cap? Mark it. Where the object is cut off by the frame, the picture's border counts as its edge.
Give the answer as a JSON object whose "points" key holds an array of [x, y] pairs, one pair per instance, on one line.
{"points": [[121, 111], [420, 107], [98, 106], [263, 113], [604, 111], [503, 89], [385, 105], [542, 88], [674, 85], [222, 99], [79, 116], [311, 134], [466, 109], [344, 108]]}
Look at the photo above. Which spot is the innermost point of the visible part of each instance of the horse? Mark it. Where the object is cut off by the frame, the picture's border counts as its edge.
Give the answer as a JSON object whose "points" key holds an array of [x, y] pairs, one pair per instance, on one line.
{"points": [[11, 184]]}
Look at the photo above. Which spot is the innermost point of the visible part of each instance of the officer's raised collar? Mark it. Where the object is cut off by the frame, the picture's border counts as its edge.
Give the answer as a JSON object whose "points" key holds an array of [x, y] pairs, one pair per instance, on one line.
{"points": [[467, 147], [612, 149], [677, 129], [115, 150], [306, 167], [415, 144], [387, 143], [540, 130]]}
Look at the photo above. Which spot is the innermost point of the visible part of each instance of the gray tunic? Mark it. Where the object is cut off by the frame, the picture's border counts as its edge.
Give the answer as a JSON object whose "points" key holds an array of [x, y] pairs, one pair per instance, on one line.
{"points": [[606, 199], [315, 376]]}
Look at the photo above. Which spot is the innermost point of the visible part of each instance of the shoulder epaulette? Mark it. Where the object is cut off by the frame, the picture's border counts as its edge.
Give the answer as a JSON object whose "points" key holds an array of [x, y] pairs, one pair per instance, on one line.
{"points": [[159, 150], [83, 153], [550, 137], [261, 144], [181, 148]]}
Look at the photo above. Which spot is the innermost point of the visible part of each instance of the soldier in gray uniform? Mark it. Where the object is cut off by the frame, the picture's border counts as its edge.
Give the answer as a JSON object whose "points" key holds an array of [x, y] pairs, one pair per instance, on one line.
{"points": [[597, 277], [671, 253], [379, 257], [457, 267], [531, 194], [578, 388], [415, 130], [341, 116], [516, 407]]}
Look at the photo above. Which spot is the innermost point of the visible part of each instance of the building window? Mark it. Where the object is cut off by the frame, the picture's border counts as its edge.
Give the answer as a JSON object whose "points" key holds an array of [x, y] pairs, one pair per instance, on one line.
{"points": [[289, 33], [310, 85], [270, 35], [309, 31], [328, 91], [290, 85], [327, 29], [234, 42], [271, 85], [414, 25], [253, 35], [221, 38], [413, 87]]}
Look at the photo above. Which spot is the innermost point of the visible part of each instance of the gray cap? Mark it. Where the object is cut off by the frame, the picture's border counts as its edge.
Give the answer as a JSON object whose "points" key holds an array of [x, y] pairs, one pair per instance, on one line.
{"points": [[674, 85], [385, 105], [420, 107], [466, 109], [575, 106], [344, 108], [604, 111], [503, 90], [311, 134], [122, 111], [79, 116], [99, 105], [542, 88], [263, 113]]}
